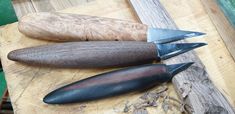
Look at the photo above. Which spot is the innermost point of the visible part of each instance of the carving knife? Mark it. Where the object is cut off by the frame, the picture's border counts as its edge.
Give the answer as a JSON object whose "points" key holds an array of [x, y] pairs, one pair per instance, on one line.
{"points": [[56, 26], [96, 54], [115, 83]]}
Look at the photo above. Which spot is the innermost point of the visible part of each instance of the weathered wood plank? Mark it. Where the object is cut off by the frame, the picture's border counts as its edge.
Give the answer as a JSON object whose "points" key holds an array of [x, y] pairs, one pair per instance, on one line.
{"points": [[152, 14], [191, 15], [42, 5], [193, 86], [223, 26], [23, 7]]}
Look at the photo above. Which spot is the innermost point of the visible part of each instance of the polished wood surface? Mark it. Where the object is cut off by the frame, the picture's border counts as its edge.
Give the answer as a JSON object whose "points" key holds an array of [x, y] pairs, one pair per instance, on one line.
{"points": [[56, 26]]}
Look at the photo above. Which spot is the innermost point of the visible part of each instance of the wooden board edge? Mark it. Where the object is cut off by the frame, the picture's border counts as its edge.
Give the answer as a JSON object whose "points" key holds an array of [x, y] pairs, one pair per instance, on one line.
{"points": [[223, 26], [197, 91]]}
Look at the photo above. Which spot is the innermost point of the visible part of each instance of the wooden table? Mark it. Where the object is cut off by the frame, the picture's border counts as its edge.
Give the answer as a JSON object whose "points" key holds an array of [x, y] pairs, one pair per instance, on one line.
{"points": [[27, 85], [190, 15]]}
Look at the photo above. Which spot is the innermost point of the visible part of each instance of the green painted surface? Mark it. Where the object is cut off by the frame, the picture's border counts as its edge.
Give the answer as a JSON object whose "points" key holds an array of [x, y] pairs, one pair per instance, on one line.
{"points": [[7, 15], [228, 7], [7, 12], [2, 83]]}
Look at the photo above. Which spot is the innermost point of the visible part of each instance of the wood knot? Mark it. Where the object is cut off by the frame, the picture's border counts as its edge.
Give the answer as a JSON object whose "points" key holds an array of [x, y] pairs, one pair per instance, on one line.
{"points": [[185, 89]]}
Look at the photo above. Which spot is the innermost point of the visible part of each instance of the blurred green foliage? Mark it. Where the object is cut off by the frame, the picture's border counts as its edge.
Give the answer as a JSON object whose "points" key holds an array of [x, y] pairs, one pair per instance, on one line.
{"points": [[7, 12], [228, 7], [2, 84]]}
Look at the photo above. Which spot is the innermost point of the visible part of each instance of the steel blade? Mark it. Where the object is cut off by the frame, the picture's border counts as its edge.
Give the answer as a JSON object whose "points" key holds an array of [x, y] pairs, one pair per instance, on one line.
{"points": [[176, 68], [166, 51], [166, 35]]}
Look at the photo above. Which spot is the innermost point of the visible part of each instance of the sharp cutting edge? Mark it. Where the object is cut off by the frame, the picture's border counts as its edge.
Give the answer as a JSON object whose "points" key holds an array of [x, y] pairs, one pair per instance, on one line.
{"points": [[167, 35], [166, 51]]}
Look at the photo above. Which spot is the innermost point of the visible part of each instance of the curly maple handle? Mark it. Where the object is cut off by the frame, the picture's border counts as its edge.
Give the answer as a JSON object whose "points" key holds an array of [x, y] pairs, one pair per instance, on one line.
{"points": [[74, 27], [87, 54]]}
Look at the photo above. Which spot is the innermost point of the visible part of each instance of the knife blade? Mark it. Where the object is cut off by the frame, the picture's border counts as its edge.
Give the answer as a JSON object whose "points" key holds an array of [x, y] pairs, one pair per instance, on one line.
{"points": [[97, 54], [115, 83], [56, 26]]}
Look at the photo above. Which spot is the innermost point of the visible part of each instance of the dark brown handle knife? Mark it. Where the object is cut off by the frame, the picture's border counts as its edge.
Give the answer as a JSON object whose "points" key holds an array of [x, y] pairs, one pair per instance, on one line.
{"points": [[99, 53], [115, 83]]}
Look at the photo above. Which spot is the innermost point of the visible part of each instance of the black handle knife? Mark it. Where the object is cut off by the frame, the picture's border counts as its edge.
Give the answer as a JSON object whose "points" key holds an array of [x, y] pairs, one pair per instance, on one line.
{"points": [[115, 83]]}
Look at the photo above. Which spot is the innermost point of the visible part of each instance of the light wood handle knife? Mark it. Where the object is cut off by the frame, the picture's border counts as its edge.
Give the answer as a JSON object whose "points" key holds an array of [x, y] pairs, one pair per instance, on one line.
{"points": [[73, 27]]}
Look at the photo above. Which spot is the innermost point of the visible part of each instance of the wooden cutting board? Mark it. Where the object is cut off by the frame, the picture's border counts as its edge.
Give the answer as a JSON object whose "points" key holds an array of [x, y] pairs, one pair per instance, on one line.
{"points": [[28, 85]]}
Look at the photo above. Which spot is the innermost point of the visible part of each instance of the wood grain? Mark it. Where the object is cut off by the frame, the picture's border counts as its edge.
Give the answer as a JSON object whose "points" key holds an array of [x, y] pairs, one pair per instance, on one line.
{"points": [[94, 54], [74, 27], [28, 85], [215, 56], [225, 29], [193, 86], [110, 84], [23, 7]]}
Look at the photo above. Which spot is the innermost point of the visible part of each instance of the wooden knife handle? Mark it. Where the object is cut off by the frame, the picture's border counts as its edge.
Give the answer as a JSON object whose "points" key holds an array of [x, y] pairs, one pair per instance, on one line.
{"points": [[110, 84], [91, 54], [74, 27]]}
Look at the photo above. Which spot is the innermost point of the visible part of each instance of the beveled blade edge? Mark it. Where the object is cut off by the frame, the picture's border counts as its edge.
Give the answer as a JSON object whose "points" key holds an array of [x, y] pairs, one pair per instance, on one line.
{"points": [[158, 35], [166, 51], [177, 68]]}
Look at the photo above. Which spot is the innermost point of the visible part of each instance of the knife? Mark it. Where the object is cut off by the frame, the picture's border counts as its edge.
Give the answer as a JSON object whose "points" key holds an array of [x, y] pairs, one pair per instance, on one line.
{"points": [[96, 54], [115, 83], [56, 26]]}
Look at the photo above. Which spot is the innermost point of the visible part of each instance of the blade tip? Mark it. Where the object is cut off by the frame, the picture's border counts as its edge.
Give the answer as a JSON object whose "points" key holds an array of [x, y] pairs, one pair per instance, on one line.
{"points": [[188, 64], [195, 34], [202, 44], [201, 33], [176, 68]]}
